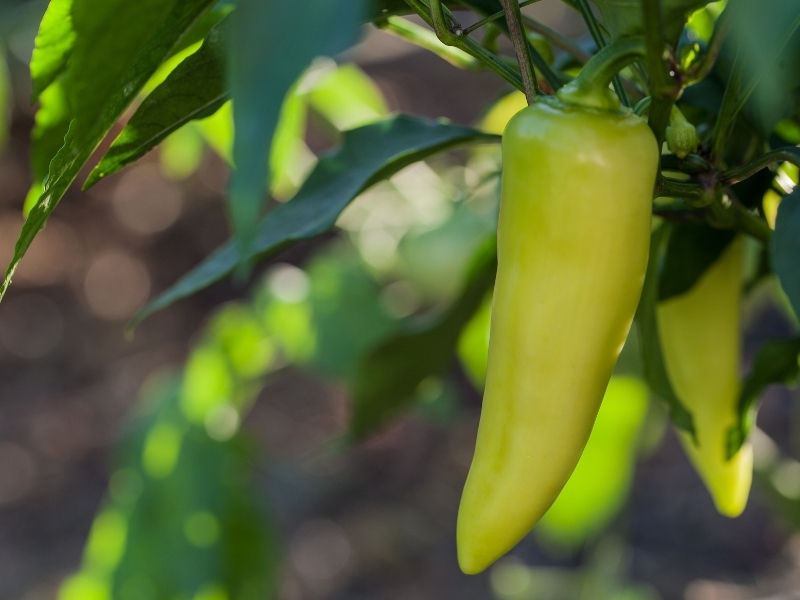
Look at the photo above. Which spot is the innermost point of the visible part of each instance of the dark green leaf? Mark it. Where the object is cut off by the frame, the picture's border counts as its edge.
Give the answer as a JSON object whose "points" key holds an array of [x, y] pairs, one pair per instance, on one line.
{"points": [[655, 371], [386, 380], [776, 362], [691, 249], [785, 247], [271, 45], [766, 37], [73, 155], [194, 90], [54, 44], [368, 155]]}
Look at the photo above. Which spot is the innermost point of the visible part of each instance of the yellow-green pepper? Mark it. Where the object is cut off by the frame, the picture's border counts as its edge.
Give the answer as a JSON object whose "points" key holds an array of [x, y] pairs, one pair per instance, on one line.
{"points": [[573, 242], [700, 333]]}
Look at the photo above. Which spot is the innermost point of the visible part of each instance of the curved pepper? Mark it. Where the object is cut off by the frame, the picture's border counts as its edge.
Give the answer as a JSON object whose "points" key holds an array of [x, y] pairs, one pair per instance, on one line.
{"points": [[573, 242], [699, 333]]}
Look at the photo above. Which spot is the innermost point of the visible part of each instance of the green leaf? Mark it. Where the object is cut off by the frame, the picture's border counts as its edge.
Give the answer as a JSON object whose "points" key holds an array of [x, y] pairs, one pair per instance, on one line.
{"points": [[691, 249], [194, 90], [655, 371], [54, 44], [73, 155], [110, 35], [271, 45], [776, 362], [768, 44], [47, 137], [368, 155], [785, 247], [386, 380]]}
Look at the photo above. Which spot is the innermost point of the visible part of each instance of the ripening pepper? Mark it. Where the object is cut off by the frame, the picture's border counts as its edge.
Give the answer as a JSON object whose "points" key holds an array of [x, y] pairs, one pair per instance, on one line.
{"points": [[699, 333], [573, 243]]}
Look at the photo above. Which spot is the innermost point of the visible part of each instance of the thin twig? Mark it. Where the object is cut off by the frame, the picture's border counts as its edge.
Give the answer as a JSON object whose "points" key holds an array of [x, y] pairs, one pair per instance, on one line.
{"points": [[521, 49], [557, 39], [467, 44], [663, 88], [597, 36], [425, 38], [734, 176], [494, 17]]}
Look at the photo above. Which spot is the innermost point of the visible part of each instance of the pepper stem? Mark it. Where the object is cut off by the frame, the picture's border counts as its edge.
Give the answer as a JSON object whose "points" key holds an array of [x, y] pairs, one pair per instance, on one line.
{"points": [[590, 87]]}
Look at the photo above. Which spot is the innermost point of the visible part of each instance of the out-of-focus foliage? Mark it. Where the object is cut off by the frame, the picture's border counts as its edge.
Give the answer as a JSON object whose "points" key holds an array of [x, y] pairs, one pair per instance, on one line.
{"points": [[599, 485], [368, 155], [604, 578], [180, 518], [389, 376]]}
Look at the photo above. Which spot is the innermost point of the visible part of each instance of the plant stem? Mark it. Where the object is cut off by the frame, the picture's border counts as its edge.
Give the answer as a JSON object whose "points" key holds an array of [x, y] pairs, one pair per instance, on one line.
{"points": [[604, 65], [425, 38], [664, 89], [494, 17], [597, 36], [466, 44], [733, 176], [746, 222], [674, 188], [557, 39], [521, 49]]}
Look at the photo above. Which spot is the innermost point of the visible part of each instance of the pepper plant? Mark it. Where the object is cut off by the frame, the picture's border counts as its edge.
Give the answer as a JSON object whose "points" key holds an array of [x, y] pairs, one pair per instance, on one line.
{"points": [[651, 175]]}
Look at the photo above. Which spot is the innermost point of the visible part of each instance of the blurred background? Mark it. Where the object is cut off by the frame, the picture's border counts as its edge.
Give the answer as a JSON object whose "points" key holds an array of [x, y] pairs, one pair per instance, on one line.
{"points": [[220, 423]]}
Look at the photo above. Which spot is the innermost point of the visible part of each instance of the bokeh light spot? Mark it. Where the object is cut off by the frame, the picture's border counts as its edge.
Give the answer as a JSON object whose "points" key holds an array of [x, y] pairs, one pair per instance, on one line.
{"points": [[144, 202], [161, 450], [116, 285], [201, 528], [320, 550]]}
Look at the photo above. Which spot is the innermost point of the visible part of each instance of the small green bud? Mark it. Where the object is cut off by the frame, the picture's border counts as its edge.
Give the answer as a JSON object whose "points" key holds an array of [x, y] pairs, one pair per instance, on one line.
{"points": [[681, 135]]}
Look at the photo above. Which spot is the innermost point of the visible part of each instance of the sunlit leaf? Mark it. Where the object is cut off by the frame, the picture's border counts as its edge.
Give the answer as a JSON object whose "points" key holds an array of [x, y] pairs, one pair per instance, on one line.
{"points": [[54, 44], [193, 90], [73, 155], [368, 155]]}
